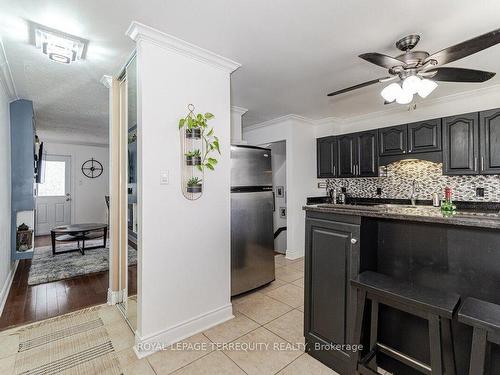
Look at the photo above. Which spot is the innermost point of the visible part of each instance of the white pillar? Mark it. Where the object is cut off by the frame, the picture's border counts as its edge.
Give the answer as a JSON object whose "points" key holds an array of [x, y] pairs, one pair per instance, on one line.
{"points": [[236, 114], [184, 246]]}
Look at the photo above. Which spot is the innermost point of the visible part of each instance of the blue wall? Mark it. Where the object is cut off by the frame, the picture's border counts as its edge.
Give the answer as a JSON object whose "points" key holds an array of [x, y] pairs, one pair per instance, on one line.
{"points": [[22, 137]]}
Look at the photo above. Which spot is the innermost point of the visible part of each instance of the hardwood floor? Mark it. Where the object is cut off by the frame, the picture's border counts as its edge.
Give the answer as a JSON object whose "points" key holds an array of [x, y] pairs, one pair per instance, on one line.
{"points": [[27, 303]]}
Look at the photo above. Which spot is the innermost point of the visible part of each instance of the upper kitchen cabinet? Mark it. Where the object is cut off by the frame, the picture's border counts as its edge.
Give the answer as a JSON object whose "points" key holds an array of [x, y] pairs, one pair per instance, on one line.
{"points": [[346, 155], [326, 155], [424, 136], [393, 140], [461, 144], [489, 129], [367, 154]]}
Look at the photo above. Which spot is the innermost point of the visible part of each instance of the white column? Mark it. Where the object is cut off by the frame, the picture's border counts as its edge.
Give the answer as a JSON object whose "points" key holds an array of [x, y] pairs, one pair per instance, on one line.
{"points": [[183, 246], [236, 114]]}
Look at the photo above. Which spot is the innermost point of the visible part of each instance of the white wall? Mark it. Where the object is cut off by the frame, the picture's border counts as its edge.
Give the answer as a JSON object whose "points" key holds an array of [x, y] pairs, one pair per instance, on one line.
{"points": [[6, 266], [278, 152], [300, 170], [184, 246], [88, 205]]}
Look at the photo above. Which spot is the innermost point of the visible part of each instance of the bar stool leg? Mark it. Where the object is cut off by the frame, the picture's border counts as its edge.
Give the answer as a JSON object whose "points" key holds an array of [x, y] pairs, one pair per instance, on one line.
{"points": [[374, 334], [448, 348], [358, 326], [435, 344], [478, 352]]}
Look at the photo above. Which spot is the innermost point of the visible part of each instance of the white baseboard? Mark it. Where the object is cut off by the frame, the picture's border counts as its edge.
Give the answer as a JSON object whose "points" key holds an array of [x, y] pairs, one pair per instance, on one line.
{"points": [[116, 296], [162, 339], [6, 287], [293, 254]]}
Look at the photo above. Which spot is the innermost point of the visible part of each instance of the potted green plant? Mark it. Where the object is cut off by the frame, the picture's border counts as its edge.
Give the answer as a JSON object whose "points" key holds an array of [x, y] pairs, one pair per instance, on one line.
{"points": [[195, 124], [193, 157], [194, 185]]}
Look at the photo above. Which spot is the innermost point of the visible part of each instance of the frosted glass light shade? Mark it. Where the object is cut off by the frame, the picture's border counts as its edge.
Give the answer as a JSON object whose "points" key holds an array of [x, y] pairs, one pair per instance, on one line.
{"points": [[391, 92], [425, 87], [411, 84], [404, 97]]}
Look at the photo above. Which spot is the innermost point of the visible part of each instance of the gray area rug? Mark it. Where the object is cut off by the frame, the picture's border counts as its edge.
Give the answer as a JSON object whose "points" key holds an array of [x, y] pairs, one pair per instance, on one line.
{"points": [[46, 267]]}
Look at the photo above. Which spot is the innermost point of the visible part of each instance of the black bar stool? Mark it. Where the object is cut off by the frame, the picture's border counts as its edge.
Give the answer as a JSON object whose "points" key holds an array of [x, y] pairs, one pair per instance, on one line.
{"points": [[434, 306], [484, 317]]}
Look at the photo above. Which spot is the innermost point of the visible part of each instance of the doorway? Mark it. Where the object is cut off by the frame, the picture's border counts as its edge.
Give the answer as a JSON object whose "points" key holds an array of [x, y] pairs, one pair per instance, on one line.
{"points": [[53, 200], [278, 152]]}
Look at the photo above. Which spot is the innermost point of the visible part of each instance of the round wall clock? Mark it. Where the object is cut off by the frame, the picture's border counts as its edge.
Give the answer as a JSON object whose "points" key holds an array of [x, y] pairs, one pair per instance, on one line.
{"points": [[92, 168]]}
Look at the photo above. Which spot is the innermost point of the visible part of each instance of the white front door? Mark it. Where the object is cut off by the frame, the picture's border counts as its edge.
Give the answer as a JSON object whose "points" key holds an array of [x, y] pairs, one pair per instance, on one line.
{"points": [[53, 201]]}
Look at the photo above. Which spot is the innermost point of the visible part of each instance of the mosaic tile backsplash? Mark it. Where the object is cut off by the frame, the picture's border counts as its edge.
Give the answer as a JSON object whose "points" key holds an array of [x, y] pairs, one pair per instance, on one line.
{"points": [[396, 182]]}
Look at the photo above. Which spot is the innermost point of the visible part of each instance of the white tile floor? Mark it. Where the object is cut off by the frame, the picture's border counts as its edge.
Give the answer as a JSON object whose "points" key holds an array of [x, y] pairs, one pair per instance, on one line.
{"points": [[271, 317]]}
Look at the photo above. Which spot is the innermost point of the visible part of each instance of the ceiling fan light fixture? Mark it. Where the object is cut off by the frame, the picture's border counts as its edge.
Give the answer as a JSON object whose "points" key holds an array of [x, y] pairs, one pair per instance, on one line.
{"points": [[425, 87], [411, 84], [404, 97], [391, 92]]}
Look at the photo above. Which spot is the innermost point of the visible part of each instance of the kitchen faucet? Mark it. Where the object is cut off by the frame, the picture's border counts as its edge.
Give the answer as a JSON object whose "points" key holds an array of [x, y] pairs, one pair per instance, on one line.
{"points": [[413, 196]]}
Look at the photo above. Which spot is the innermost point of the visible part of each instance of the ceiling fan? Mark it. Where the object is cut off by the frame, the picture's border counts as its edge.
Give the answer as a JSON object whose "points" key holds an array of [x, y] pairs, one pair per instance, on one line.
{"points": [[418, 71]]}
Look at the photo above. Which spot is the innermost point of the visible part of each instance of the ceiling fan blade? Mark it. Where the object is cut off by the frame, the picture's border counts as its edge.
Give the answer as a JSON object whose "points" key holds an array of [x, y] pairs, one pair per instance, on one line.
{"points": [[466, 48], [355, 87], [379, 59], [460, 75]]}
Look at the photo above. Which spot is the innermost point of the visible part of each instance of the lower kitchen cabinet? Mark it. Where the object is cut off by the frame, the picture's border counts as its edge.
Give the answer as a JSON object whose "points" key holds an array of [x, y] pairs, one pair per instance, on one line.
{"points": [[332, 248]]}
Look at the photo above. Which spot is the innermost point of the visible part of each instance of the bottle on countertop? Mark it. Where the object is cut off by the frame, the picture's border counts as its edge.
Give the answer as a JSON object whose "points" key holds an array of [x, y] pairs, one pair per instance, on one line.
{"points": [[435, 199], [447, 205]]}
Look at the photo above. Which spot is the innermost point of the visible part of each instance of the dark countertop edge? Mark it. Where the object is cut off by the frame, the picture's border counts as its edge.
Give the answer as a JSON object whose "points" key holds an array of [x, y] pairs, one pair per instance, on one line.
{"points": [[454, 220]]}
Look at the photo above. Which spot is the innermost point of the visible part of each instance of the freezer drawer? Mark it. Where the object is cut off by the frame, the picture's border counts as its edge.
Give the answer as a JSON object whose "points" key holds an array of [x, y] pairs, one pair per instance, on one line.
{"points": [[250, 166], [252, 240]]}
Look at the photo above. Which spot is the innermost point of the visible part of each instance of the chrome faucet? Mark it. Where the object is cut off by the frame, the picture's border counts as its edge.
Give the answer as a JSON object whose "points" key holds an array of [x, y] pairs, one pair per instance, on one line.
{"points": [[413, 196]]}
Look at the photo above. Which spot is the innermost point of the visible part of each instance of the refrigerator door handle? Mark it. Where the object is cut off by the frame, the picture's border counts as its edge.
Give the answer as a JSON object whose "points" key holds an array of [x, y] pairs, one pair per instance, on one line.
{"points": [[274, 202]]}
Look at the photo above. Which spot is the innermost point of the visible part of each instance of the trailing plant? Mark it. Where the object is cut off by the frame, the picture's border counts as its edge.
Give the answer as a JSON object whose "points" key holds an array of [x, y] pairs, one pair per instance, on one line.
{"points": [[193, 181], [200, 121]]}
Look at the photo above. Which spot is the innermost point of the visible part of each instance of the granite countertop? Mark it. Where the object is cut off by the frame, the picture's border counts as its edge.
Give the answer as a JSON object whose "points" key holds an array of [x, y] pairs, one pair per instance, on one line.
{"points": [[428, 214]]}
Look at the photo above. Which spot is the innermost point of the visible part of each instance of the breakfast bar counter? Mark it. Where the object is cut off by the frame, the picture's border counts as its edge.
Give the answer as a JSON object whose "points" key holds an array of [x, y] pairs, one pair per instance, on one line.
{"points": [[419, 245]]}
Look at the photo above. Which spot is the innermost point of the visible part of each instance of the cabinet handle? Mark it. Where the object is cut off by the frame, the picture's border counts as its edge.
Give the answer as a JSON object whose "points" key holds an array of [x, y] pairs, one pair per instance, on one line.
{"points": [[334, 170], [475, 163], [482, 163], [354, 241]]}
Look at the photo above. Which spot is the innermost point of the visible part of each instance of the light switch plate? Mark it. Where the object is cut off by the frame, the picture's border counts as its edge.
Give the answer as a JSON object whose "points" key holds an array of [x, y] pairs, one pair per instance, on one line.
{"points": [[164, 178]]}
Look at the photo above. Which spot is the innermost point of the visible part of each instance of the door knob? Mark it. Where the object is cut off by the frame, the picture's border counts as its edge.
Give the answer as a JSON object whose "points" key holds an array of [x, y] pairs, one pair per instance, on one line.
{"points": [[354, 241], [68, 199]]}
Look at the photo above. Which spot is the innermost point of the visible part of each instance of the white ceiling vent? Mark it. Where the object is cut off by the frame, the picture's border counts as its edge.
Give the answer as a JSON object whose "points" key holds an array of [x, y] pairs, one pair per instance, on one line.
{"points": [[58, 46]]}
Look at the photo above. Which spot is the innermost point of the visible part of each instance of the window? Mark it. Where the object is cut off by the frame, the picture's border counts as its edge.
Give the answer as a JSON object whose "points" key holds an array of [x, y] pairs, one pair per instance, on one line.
{"points": [[55, 179]]}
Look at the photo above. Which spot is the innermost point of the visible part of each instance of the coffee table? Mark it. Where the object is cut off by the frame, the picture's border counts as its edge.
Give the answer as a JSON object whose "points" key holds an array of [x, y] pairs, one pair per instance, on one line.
{"points": [[78, 232]]}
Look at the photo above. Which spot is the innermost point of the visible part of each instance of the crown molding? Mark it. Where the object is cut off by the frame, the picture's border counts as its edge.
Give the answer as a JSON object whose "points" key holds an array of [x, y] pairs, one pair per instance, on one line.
{"points": [[139, 32], [107, 81], [278, 120], [62, 141], [238, 110], [6, 75]]}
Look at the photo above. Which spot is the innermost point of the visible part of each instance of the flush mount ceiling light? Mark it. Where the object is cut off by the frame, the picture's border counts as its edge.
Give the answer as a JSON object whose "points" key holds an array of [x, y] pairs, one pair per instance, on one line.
{"points": [[59, 47]]}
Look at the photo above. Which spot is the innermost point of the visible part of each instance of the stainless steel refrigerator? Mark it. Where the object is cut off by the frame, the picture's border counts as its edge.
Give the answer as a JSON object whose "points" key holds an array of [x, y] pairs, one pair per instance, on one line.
{"points": [[252, 206]]}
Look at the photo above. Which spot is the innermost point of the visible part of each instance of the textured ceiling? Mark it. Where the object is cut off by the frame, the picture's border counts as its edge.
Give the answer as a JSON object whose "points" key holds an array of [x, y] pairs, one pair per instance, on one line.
{"points": [[293, 52]]}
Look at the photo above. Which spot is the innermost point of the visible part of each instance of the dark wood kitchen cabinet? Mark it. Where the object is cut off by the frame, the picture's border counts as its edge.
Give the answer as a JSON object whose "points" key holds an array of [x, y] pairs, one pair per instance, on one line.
{"points": [[461, 144], [367, 154], [489, 134], [393, 140], [424, 136], [332, 247], [326, 149], [357, 155], [346, 155]]}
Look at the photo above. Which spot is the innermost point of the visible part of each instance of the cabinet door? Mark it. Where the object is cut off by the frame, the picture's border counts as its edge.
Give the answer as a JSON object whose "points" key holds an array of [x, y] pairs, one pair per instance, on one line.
{"points": [[392, 141], [327, 306], [367, 157], [424, 136], [326, 149], [346, 155], [461, 144], [489, 122]]}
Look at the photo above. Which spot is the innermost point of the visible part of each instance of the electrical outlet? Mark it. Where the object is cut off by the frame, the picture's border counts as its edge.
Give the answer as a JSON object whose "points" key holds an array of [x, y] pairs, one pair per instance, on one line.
{"points": [[480, 192], [379, 191], [344, 189]]}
